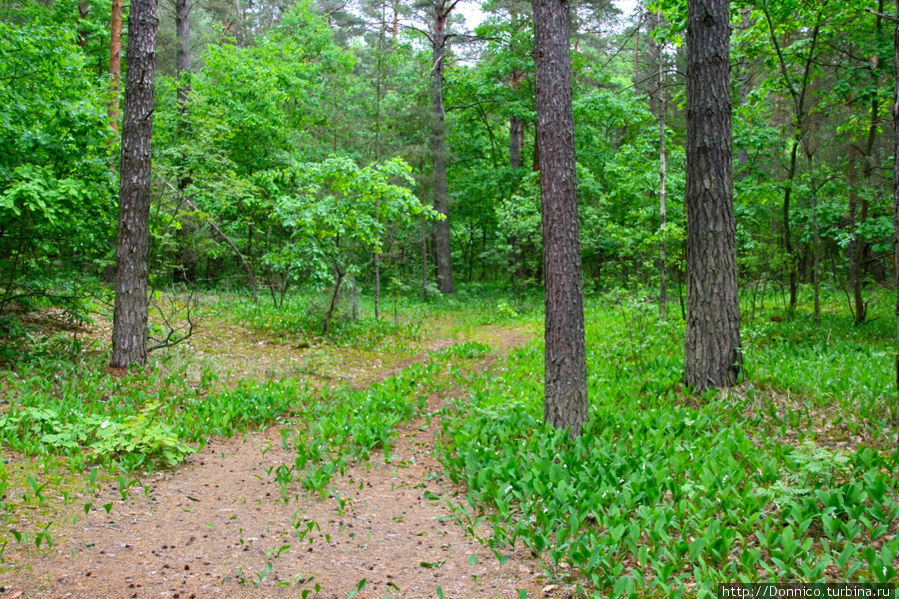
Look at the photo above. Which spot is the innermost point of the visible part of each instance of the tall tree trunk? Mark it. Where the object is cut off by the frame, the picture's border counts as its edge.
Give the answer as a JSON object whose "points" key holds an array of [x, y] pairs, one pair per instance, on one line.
{"points": [[860, 244], [115, 60], [186, 269], [396, 20], [663, 171], [792, 259], [745, 81], [565, 400], [442, 250], [83, 9], [424, 260], [129, 330], [516, 123], [712, 351], [816, 235], [516, 140], [376, 255], [798, 97], [858, 304], [182, 30]]}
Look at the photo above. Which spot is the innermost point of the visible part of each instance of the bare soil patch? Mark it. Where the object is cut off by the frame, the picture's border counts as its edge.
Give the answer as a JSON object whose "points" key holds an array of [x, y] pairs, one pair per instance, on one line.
{"points": [[219, 527]]}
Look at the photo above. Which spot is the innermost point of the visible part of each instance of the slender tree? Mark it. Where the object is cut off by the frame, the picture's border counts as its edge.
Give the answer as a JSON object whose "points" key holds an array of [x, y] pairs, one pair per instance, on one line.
{"points": [[658, 101], [712, 357], [442, 250], [799, 92], [565, 400], [186, 269], [129, 331], [182, 59], [115, 61]]}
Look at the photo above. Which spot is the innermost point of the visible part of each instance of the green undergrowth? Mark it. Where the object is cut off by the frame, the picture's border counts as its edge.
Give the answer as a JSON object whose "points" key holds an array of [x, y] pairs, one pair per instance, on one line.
{"points": [[344, 426], [145, 419], [665, 495], [76, 417], [405, 321]]}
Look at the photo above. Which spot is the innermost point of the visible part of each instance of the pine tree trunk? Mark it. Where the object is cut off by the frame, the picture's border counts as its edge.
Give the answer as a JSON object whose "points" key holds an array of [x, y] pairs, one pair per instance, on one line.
{"points": [[565, 400], [438, 151], [115, 61], [129, 332], [712, 357]]}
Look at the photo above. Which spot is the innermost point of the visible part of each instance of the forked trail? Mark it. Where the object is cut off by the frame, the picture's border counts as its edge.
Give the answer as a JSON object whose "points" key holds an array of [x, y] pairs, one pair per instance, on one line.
{"points": [[218, 527]]}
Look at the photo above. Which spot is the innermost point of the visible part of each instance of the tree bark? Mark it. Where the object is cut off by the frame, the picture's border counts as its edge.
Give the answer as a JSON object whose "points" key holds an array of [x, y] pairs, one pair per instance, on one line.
{"points": [[860, 245], [115, 61], [129, 331], [565, 400], [83, 10], [376, 255], [186, 269], [516, 140], [182, 29], [516, 123], [745, 81], [855, 252], [442, 249], [663, 171], [712, 356], [424, 260]]}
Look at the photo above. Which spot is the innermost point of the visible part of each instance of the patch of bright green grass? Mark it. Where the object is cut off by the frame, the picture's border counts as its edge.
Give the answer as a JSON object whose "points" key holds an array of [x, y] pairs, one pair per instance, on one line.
{"points": [[667, 496]]}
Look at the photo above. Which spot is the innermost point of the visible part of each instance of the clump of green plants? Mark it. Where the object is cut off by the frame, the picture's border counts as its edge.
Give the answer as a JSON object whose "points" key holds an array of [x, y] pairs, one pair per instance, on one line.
{"points": [[344, 426], [145, 419], [665, 495], [292, 319]]}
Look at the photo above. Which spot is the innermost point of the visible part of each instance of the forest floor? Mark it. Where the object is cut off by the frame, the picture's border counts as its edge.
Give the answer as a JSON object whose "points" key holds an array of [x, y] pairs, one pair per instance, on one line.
{"points": [[217, 526]]}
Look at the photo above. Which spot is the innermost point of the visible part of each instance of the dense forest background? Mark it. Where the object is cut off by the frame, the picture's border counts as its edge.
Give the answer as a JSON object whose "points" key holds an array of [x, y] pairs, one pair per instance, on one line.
{"points": [[346, 269], [295, 144]]}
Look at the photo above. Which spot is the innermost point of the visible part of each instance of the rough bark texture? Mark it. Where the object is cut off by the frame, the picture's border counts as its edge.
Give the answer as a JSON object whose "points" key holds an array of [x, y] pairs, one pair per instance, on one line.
{"points": [[712, 357], [565, 400], [442, 252], [115, 61], [129, 332]]}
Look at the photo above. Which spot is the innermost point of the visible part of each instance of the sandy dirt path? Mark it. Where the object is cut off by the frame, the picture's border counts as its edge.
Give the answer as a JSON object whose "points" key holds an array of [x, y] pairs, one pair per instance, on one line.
{"points": [[218, 527]]}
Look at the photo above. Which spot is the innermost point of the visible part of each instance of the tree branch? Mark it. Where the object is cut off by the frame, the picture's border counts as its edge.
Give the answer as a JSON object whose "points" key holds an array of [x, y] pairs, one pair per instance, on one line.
{"points": [[220, 233]]}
